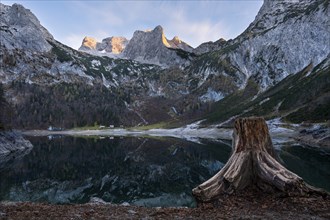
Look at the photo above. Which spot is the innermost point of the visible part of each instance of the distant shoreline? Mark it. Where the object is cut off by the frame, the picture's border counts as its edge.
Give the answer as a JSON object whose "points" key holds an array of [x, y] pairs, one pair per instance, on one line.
{"points": [[183, 133], [280, 133], [208, 133]]}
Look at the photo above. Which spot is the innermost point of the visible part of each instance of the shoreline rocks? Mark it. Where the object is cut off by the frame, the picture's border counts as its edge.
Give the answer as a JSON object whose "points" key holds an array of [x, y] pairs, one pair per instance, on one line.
{"points": [[316, 135], [12, 146]]}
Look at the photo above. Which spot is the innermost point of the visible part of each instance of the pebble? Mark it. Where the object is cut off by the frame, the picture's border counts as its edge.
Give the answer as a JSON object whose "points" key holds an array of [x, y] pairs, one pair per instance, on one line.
{"points": [[131, 211]]}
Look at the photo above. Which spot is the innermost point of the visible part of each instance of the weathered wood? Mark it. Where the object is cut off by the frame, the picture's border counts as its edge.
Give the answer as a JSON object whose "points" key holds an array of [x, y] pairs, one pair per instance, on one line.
{"points": [[253, 163]]}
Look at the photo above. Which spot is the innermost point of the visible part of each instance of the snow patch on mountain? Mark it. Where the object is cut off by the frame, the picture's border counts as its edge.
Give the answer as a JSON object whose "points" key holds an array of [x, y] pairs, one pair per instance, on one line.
{"points": [[211, 96], [106, 83], [95, 64]]}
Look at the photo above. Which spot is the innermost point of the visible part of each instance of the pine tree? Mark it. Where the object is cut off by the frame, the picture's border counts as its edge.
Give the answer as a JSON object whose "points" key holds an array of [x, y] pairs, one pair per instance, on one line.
{"points": [[2, 107], [4, 113]]}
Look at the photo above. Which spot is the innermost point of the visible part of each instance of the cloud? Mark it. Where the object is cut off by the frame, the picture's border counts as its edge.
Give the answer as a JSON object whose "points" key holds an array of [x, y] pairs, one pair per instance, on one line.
{"points": [[193, 31], [195, 22], [100, 14], [73, 40]]}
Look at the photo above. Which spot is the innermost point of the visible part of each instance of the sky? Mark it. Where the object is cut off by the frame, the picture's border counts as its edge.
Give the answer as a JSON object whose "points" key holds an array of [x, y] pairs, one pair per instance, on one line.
{"points": [[194, 22]]}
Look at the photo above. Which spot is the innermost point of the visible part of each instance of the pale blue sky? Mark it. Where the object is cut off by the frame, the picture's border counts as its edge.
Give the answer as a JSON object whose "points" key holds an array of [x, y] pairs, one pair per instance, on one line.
{"points": [[194, 22]]}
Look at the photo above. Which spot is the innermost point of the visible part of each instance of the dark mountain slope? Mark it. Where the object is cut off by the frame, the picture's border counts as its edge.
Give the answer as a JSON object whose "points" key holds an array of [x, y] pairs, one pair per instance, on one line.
{"points": [[304, 96]]}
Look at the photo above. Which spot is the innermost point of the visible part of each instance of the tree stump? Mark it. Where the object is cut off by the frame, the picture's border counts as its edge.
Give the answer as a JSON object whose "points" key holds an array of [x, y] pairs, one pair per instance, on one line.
{"points": [[253, 163]]}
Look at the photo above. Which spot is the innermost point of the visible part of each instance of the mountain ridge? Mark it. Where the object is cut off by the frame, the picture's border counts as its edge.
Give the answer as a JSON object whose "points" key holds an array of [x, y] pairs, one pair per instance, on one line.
{"points": [[178, 85], [150, 46], [112, 45], [20, 23]]}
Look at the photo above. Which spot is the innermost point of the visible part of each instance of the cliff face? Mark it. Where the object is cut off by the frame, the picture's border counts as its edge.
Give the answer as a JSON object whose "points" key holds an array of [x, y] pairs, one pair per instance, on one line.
{"points": [[145, 47], [153, 47], [88, 43], [20, 24], [285, 37], [112, 45], [177, 43]]}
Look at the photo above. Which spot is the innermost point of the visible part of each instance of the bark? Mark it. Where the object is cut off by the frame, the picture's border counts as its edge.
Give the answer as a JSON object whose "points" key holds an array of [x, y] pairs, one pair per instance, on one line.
{"points": [[253, 163]]}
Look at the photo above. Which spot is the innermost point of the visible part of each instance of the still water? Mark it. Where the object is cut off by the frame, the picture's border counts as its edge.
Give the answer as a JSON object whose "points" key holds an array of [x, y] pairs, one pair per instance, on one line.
{"points": [[137, 170]]}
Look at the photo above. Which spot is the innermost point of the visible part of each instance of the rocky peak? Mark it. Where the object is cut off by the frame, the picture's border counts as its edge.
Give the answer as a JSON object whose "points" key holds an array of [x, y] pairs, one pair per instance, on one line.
{"points": [[112, 45], [221, 41], [210, 46], [272, 13], [159, 29], [295, 32], [146, 46], [153, 47], [176, 40], [20, 29], [285, 37], [177, 43], [156, 35], [88, 43]]}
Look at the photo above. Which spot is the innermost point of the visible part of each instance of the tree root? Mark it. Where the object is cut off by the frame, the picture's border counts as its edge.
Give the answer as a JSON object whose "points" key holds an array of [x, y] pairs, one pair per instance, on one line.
{"points": [[253, 163]]}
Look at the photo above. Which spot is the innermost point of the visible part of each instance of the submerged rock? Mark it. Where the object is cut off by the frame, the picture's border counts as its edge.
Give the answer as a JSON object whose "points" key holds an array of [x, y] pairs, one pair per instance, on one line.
{"points": [[316, 135], [11, 142], [12, 147]]}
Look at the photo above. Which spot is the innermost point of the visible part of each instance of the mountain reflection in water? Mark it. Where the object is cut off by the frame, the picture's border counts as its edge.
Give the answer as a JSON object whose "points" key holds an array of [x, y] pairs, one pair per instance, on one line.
{"points": [[142, 171], [137, 170]]}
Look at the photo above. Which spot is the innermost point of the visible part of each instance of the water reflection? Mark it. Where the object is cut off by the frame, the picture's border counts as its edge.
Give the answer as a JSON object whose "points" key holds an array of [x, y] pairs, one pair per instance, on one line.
{"points": [[312, 164], [142, 171]]}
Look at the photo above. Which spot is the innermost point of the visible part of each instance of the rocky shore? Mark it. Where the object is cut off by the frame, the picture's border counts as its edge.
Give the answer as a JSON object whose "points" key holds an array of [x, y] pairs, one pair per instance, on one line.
{"points": [[249, 204], [317, 135], [12, 146]]}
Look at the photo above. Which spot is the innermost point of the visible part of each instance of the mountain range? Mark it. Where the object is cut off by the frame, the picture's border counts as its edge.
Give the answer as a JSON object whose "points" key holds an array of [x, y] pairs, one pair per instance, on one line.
{"points": [[149, 46], [277, 68]]}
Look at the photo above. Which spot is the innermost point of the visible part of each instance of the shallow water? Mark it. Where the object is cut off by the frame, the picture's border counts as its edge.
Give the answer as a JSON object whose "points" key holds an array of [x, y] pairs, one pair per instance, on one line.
{"points": [[137, 170]]}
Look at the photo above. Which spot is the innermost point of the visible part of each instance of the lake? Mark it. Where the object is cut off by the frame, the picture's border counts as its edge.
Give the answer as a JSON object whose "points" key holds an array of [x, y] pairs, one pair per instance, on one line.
{"points": [[138, 170]]}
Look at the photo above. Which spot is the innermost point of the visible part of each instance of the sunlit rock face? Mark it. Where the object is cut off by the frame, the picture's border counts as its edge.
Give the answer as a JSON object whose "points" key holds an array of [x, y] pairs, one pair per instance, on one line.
{"points": [[88, 43], [153, 47], [20, 24], [113, 45], [177, 43], [150, 46]]}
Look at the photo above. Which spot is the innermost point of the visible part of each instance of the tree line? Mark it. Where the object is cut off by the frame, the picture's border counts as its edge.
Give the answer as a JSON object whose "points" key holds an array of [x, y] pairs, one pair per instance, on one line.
{"points": [[65, 105]]}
